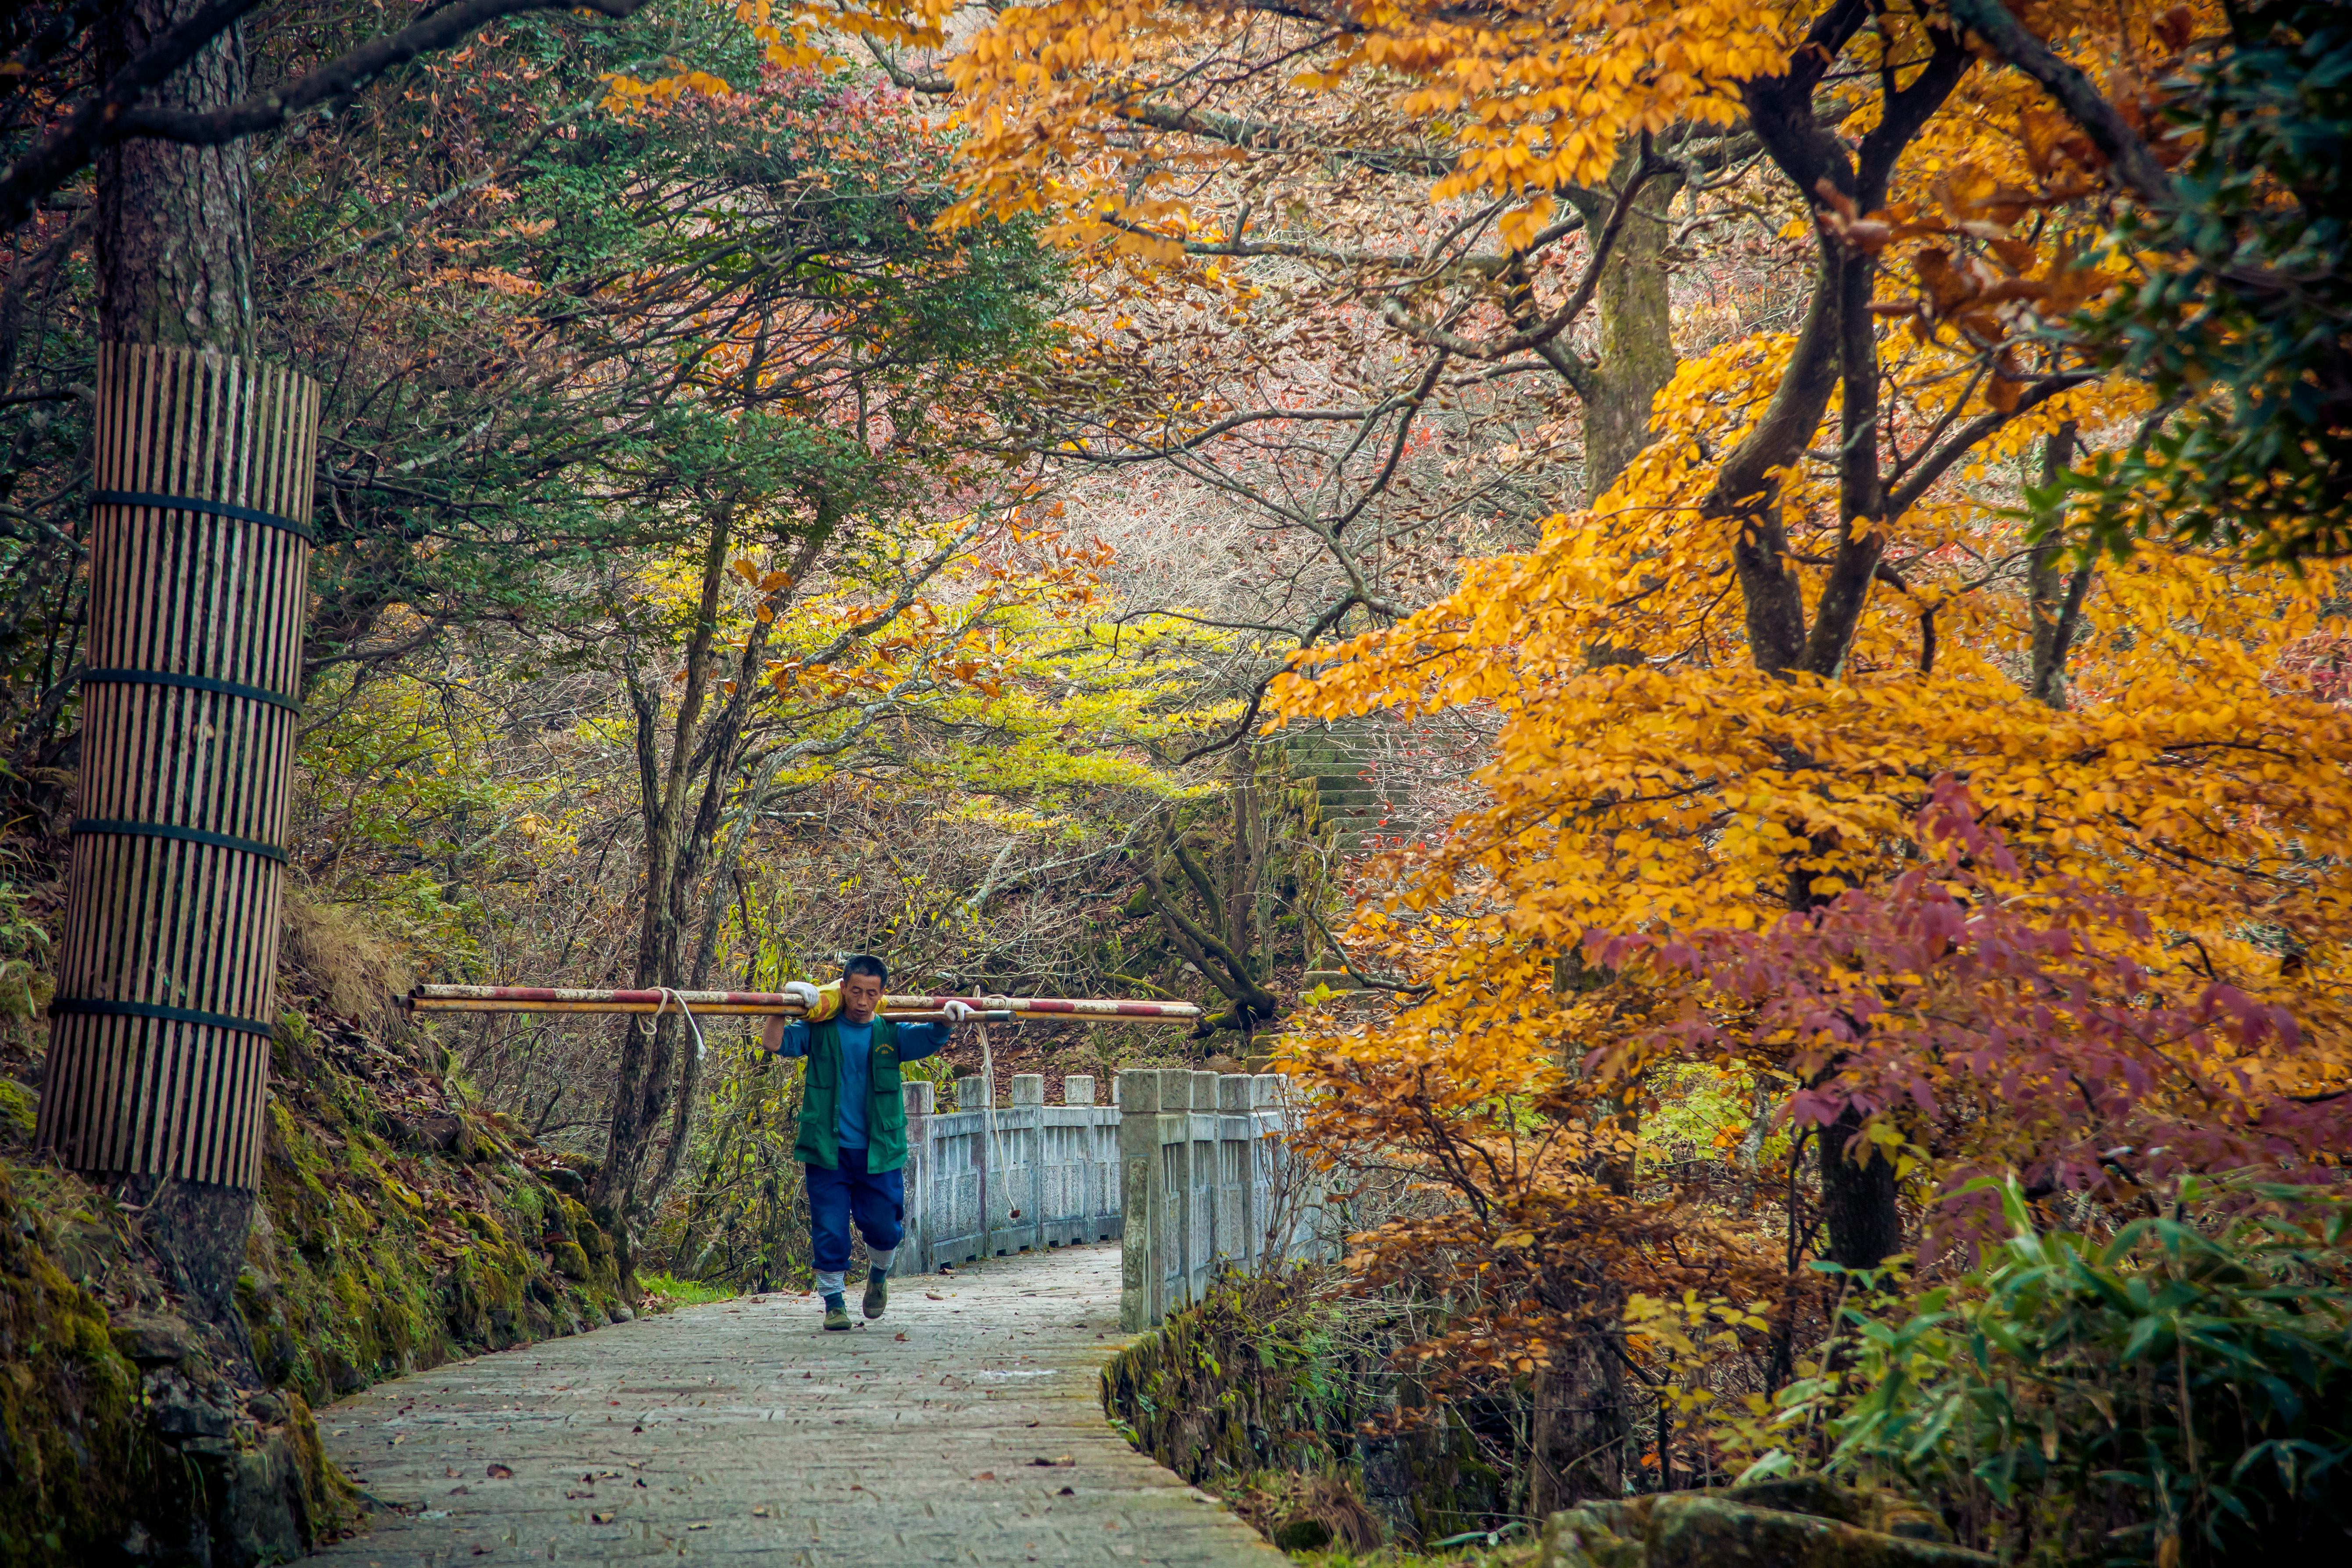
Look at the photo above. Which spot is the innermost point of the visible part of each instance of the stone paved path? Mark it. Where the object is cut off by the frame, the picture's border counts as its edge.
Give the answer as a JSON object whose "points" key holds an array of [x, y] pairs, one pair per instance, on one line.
{"points": [[741, 1433]]}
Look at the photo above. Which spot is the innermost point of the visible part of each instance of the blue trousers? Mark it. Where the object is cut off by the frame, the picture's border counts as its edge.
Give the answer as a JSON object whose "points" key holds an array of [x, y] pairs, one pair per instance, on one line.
{"points": [[879, 1202]]}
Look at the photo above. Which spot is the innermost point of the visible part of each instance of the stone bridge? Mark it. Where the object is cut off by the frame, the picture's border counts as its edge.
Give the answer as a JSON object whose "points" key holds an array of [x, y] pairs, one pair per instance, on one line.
{"points": [[965, 1425]]}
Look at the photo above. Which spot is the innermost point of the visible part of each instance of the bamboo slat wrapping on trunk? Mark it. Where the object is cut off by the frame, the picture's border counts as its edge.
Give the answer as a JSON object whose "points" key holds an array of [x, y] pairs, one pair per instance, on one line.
{"points": [[199, 544]]}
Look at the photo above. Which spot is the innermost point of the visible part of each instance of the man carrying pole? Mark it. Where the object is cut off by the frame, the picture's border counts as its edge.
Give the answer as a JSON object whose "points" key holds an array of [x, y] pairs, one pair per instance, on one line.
{"points": [[853, 1127]]}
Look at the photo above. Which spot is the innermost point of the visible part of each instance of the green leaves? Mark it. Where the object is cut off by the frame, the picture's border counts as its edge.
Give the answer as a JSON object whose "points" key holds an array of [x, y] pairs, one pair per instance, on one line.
{"points": [[2241, 329], [2190, 1382]]}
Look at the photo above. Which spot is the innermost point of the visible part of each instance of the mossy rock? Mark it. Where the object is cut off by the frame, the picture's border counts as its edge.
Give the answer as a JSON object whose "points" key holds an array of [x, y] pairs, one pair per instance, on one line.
{"points": [[76, 1450], [18, 1108], [1709, 1530], [101, 1463], [1590, 1537], [1886, 1512], [155, 1339], [570, 1261], [349, 1280], [1699, 1531]]}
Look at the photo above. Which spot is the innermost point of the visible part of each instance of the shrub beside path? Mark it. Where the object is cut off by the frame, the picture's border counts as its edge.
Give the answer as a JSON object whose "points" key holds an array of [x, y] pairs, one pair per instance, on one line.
{"points": [[740, 1431]]}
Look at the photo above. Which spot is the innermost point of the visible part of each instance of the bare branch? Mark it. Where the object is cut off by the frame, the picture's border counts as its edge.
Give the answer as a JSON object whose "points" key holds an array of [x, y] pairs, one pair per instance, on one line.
{"points": [[2085, 104], [1933, 466]]}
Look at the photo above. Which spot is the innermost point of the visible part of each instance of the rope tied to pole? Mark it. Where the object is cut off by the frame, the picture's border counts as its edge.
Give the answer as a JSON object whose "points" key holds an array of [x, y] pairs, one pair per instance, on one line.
{"points": [[669, 996], [994, 1159]]}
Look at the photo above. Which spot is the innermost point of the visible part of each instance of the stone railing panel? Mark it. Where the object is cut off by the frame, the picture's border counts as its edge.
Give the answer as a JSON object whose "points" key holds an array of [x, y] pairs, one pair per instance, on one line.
{"points": [[1047, 1175], [1206, 1154], [1190, 1170]]}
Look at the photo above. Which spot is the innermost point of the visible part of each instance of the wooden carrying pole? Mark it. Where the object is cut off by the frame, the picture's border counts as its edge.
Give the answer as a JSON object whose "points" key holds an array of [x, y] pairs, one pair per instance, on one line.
{"points": [[199, 546], [764, 1004]]}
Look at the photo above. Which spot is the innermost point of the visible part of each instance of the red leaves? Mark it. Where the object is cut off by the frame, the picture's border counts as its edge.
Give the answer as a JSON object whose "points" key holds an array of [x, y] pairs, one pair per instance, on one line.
{"points": [[1989, 1007], [1984, 277], [2176, 27]]}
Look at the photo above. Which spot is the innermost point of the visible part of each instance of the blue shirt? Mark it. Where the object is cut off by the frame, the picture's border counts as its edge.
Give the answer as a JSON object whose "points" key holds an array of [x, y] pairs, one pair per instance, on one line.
{"points": [[916, 1041]]}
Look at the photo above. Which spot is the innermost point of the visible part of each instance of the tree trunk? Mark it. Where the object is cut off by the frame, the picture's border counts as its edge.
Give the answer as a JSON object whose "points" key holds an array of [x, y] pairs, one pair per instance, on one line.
{"points": [[159, 1059], [1858, 1206], [2054, 596], [1580, 1430], [1224, 943], [1637, 342], [175, 222], [1241, 890], [642, 1087], [1836, 353]]}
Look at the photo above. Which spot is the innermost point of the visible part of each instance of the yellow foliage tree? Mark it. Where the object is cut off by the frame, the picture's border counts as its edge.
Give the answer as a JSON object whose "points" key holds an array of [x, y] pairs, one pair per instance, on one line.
{"points": [[1725, 692]]}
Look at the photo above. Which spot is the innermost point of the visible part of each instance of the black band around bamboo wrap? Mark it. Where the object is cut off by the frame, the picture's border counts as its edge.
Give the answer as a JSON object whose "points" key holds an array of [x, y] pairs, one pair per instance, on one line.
{"points": [[182, 835], [301, 531], [157, 1010], [189, 682]]}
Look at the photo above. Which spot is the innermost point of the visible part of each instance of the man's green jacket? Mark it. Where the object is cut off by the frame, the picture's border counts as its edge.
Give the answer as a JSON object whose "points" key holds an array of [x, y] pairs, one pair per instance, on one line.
{"points": [[885, 1123]]}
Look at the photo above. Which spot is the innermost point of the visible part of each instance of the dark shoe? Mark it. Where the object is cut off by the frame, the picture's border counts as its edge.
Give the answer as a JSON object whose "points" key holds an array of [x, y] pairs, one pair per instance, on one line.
{"points": [[878, 1293], [836, 1313]]}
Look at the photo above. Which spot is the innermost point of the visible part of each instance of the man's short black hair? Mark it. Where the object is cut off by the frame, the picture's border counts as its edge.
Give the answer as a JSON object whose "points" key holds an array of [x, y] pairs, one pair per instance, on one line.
{"points": [[866, 964]]}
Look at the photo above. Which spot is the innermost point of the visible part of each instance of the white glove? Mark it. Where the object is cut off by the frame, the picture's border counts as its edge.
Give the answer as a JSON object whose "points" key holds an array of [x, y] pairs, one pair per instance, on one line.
{"points": [[804, 993], [958, 1011]]}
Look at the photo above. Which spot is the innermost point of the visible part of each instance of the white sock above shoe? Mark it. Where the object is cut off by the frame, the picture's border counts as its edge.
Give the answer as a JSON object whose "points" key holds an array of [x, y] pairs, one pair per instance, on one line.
{"points": [[829, 1284], [880, 1258]]}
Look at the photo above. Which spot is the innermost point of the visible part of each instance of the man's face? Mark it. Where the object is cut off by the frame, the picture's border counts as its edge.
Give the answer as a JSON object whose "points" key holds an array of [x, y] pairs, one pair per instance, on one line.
{"points": [[861, 997]]}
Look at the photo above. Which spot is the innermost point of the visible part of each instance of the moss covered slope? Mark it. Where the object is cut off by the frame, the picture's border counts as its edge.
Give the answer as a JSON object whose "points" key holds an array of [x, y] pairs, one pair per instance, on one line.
{"points": [[396, 1229], [122, 1440]]}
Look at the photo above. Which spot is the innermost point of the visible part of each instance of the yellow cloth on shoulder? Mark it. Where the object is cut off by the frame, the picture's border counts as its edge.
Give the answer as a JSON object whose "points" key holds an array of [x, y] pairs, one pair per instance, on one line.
{"points": [[828, 1003]]}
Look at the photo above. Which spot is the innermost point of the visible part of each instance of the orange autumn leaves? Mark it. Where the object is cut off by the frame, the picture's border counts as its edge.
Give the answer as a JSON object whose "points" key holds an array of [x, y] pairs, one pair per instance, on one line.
{"points": [[1054, 99], [2195, 776], [793, 34], [1986, 279]]}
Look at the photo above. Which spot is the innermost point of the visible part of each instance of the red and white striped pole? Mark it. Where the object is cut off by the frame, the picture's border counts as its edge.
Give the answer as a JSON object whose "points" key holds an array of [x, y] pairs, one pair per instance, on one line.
{"points": [[764, 1004]]}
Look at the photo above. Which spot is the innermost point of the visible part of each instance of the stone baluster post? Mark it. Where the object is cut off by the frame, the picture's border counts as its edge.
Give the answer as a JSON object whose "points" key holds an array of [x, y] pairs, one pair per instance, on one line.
{"points": [[1025, 1190]]}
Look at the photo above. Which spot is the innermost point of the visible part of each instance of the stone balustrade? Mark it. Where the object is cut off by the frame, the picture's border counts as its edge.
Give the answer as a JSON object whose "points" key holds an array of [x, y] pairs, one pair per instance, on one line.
{"points": [[1048, 1175], [1189, 1171], [1209, 1180]]}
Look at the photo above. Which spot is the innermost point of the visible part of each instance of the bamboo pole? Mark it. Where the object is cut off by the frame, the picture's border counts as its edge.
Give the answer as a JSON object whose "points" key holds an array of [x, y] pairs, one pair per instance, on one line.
{"points": [[768, 1003], [199, 546]]}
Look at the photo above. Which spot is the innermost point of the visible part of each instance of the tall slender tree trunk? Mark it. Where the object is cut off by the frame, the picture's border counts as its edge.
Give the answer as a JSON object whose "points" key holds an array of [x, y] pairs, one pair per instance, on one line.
{"points": [[2054, 595], [199, 547], [175, 222], [648, 1067], [1636, 330]]}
